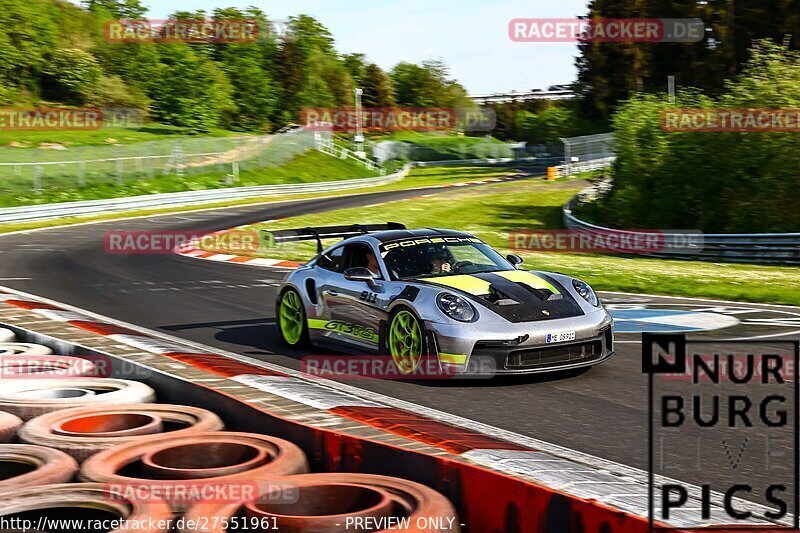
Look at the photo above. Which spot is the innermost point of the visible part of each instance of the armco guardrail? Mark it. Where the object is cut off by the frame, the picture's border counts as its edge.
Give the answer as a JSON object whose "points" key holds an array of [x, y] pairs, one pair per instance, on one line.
{"points": [[167, 200], [498, 161], [590, 165], [781, 248]]}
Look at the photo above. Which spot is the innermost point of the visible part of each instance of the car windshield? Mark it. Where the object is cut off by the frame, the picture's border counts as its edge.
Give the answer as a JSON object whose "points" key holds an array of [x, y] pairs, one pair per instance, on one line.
{"points": [[423, 258]]}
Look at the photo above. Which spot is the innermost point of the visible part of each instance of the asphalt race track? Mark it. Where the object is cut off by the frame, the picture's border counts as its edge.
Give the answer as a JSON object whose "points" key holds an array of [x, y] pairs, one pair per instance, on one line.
{"points": [[602, 412]]}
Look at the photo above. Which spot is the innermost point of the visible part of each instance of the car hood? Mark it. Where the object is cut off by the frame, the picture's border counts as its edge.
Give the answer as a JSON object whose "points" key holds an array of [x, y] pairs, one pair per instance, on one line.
{"points": [[516, 295]]}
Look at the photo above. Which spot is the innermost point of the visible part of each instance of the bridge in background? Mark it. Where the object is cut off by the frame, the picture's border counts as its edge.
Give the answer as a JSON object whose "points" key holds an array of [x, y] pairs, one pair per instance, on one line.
{"points": [[514, 96]]}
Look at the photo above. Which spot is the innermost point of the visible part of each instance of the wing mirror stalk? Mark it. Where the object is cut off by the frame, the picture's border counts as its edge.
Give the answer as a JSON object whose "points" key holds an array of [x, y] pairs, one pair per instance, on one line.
{"points": [[515, 260], [360, 274]]}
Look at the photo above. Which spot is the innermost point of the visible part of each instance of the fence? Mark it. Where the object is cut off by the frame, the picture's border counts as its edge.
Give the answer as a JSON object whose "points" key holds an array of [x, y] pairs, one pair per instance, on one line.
{"points": [[166, 200], [23, 171], [589, 152], [568, 169], [442, 150], [327, 146]]}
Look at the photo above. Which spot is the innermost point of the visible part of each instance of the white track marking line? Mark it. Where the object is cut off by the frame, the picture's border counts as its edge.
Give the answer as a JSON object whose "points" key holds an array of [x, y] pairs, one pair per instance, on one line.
{"points": [[664, 296], [633, 474]]}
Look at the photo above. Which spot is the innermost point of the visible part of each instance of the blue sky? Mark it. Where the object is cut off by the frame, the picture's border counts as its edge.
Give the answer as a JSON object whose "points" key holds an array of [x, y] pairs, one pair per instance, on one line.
{"points": [[471, 36]]}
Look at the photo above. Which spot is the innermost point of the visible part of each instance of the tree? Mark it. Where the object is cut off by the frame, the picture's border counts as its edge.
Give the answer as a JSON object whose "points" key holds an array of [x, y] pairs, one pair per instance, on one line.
{"points": [[414, 85], [72, 74], [120, 9], [611, 72], [377, 87], [717, 182], [356, 65], [248, 67], [427, 85], [28, 31], [190, 90]]}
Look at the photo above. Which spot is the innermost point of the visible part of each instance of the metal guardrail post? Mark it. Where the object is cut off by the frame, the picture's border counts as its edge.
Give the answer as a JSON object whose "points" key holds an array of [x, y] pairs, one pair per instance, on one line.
{"points": [[81, 173], [37, 179], [120, 181], [150, 160]]}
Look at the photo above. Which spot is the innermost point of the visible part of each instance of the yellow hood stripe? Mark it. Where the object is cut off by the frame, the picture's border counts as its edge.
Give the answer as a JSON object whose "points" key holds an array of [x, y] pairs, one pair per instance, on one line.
{"points": [[478, 287], [528, 278], [463, 282]]}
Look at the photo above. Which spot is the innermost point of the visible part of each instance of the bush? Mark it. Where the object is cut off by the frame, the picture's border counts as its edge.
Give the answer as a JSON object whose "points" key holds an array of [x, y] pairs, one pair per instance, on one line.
{"points": [[111, 91], [72, 72], [715, 182]]}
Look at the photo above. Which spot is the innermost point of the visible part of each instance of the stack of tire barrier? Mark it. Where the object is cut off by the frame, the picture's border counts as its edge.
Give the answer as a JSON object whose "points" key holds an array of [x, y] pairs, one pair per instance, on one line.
{"points": [[77, 446]]}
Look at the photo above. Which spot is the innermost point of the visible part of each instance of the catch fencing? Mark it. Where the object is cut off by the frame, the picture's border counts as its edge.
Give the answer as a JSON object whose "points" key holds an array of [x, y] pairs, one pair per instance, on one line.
{"points": [[587, 153], [26, 170]]}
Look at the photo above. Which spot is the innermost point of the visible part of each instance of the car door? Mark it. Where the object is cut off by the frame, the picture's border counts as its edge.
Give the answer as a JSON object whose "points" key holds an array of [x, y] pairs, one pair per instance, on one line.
{"points": [[329, 279], [355, 306]]}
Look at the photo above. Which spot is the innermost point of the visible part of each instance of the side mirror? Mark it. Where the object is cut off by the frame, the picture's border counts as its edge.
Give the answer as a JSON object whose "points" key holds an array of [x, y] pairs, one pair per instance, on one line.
{"points": [[515, 260], [359, 274]]}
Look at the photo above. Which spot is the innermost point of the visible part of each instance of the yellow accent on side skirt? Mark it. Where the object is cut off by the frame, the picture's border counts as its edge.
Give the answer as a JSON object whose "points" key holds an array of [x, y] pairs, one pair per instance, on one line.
{"points": [[462, 282], [352, 330], [315, 323], [453, 358], [528, 278]]}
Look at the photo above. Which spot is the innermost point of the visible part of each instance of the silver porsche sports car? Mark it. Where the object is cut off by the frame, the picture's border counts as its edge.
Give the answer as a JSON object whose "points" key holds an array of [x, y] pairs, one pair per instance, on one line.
{"points": [[435, 293]]}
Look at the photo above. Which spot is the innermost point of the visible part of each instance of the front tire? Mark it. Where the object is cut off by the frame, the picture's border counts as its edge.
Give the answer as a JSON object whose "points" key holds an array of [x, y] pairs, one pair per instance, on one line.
{"points": [[292, 323], [406, 340]]}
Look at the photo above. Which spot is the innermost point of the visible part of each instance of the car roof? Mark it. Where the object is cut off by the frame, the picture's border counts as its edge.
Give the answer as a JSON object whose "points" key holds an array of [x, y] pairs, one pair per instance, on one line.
{"points": [[396, 235], [380, 237]]}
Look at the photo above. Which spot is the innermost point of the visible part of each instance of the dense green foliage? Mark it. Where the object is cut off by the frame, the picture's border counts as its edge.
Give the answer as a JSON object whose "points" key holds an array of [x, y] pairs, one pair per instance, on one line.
{"points": [[561, 119], [52, 51], [610, 72], [717, 182]]}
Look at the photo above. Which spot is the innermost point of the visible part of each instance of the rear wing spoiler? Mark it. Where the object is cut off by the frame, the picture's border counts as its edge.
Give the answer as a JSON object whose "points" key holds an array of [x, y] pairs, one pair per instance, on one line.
{"points": [[275, 237]]}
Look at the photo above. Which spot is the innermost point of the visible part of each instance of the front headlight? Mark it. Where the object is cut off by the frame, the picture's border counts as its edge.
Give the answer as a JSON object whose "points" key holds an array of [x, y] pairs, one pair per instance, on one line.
{"points": [[586, 292], [455, 307]]}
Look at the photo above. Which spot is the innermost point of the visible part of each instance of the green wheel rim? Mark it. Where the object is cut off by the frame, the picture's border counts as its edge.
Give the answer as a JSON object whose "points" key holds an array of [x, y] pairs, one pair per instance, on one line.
{"points": [[405, 342], [291, 317]]}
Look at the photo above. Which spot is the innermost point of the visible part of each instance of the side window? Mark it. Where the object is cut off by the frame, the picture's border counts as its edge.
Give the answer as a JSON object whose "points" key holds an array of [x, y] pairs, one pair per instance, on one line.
{"points": [[361, 255], [333, 260]]}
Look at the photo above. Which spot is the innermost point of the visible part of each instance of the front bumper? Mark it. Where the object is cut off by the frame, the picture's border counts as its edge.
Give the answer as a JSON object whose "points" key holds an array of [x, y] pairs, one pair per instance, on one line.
{"points": [[522, 348]]}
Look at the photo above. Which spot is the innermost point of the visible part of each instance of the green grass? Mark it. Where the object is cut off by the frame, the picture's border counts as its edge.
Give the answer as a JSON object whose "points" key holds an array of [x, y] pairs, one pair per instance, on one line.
{"points": [[494, 211], [311, 166], [72, 138], [418, 178]]}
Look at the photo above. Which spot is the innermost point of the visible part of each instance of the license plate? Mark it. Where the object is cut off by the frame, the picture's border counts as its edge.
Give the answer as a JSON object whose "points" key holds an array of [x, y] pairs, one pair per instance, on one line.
{"points": [[560, 337]]}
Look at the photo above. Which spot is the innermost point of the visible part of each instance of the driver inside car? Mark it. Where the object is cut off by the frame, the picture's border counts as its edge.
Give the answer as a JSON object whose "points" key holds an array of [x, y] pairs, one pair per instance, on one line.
{"points": [[441, 262], [372, 264]]}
